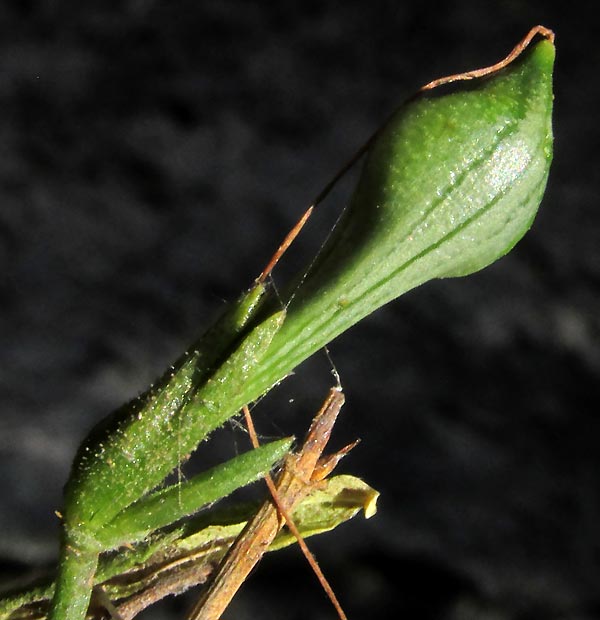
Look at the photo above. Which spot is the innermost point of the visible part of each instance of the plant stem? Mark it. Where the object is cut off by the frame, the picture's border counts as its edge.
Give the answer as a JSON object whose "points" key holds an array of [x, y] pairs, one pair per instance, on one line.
{"points": [[74, 583]]}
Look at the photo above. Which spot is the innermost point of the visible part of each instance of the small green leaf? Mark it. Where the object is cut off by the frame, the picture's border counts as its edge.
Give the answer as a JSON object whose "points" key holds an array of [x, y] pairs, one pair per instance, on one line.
{"points": [[335, 501], [175, 502]]}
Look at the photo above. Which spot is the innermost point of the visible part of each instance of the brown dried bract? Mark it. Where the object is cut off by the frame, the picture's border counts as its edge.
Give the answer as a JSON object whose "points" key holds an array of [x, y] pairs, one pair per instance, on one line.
{"points": [[294, 482]]}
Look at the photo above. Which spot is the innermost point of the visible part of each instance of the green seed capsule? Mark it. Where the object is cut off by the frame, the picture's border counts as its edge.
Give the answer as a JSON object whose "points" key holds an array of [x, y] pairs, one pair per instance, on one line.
{"points": [[449, 185]]}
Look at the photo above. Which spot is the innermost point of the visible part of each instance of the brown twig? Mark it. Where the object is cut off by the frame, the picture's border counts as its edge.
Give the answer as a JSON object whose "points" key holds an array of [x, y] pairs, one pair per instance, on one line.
{"points": [[294, 483], [172, 583], [285, 244], [323, 468]]}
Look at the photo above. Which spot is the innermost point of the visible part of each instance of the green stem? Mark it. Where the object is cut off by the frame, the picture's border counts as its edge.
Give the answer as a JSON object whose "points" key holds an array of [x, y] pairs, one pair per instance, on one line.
{"points": [[74, 583]]}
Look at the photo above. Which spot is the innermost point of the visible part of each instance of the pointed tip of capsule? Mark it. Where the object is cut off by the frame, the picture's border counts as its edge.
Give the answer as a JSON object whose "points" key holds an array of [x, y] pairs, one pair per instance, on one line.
{"points": [[544, 53]]}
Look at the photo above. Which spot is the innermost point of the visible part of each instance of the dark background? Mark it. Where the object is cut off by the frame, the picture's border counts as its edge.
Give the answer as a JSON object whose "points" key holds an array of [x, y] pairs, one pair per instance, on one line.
{"points": [[153, 154]]}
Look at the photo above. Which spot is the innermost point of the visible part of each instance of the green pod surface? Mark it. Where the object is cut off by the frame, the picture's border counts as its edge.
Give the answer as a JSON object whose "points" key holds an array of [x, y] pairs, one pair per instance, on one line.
{"points": [[449, 185]]}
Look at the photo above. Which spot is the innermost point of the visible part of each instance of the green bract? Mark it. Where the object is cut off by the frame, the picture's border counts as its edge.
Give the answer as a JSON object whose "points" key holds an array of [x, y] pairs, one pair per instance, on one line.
{"points": [[131, 452], [450, 184]]}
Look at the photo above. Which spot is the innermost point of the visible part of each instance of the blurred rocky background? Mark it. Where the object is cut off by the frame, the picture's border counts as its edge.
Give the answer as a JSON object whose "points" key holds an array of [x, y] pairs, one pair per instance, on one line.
{"points": [[152, 156]]}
